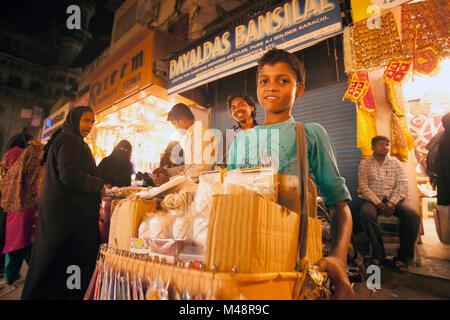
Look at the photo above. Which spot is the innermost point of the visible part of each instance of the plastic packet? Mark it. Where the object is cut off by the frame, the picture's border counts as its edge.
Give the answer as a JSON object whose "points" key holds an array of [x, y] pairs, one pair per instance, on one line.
{"points": [[203, 199], [200, 231], [169, 247], [247, 182], [157, 225], [178, 201], [182, 228]]}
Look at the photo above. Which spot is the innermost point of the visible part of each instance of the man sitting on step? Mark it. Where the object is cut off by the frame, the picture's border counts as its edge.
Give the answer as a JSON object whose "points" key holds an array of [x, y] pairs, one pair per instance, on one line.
{"points": [[384, 187]]}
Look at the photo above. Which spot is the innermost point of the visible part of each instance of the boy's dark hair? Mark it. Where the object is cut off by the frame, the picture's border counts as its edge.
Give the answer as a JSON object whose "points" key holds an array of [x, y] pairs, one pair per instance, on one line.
{"points": [[376, 139], [178, 111], [247, 98], [275, 55]]}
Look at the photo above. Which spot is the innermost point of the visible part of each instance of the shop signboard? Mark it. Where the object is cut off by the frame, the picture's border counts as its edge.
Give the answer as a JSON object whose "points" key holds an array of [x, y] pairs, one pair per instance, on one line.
{"points": [[124, 76], [83, 100], [291, 25]]}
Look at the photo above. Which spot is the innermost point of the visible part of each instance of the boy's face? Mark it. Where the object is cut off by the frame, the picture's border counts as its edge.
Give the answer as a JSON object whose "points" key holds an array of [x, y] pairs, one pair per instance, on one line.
{"points": [[277, 87]]}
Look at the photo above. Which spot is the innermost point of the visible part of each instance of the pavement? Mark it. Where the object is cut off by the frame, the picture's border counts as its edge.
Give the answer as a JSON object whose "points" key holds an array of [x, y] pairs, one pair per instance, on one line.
{"points": [[429, 281]]}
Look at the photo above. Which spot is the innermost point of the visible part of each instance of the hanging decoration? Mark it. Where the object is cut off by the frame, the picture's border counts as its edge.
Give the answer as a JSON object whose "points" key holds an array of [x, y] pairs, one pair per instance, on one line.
{"points": [[359, 91], [423, 23], [426, 60], [367, 102], [401, 139], [375, 45], [366, 129], [395, 73], [411, 37], [366, 124], [357, 88]]}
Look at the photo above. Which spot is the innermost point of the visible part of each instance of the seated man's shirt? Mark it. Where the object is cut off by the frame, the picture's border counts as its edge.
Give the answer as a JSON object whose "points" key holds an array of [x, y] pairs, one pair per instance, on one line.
{"points": [[276, 146], [386, 181]]}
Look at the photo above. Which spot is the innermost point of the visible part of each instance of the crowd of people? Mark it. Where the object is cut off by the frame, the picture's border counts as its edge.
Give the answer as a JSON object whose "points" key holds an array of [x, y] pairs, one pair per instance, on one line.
{"points": [[51, 194]]}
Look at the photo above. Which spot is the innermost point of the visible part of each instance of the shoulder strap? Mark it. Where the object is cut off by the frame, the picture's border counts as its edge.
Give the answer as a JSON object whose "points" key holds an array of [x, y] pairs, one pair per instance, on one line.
{"points": [[302, 163]]}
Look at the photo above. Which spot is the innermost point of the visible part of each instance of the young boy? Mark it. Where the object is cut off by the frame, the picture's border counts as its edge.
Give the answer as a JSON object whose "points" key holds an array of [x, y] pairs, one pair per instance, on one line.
{"points": [[280, 80]]}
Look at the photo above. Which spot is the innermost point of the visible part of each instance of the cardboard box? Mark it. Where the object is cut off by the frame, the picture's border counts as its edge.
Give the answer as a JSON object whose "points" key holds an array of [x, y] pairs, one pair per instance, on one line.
{"points": [[125, 221], [256, 236]]}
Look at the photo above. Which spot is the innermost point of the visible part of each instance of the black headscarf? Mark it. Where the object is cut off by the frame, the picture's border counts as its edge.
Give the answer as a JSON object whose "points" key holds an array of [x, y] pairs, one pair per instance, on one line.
{"points": [[117, 152], [19, 140], [116, 169], [121, 158], [72, 124]]}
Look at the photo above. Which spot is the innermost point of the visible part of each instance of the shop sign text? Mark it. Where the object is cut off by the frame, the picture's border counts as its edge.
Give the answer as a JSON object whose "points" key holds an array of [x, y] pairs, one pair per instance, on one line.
{"points": [[290, 25], [124, 76]]}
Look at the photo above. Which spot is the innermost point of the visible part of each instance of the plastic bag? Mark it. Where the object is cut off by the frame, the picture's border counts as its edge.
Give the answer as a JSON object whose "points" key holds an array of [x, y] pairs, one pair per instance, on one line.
{"points": [[169, 247], [182, 228], [203, 198], [178, 201], [246, 182], [200, 231], [143, 229], [156, 225]]}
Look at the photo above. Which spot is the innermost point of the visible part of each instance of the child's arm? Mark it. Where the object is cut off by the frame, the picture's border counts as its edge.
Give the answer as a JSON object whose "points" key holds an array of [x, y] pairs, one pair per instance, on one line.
{"points": [[335, 263], [322, 161]]}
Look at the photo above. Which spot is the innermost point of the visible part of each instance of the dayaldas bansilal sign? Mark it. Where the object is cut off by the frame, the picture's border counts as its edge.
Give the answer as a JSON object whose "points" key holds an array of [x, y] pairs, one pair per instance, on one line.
{"points": [[291, 25]]}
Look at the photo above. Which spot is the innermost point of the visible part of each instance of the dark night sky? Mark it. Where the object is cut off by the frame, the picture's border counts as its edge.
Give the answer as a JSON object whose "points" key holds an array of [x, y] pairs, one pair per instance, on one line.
{"points": [[35, 17]]}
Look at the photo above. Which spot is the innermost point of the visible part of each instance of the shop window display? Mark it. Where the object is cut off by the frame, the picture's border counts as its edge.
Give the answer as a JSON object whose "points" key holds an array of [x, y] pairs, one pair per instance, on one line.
{"points": [[143, 124]]}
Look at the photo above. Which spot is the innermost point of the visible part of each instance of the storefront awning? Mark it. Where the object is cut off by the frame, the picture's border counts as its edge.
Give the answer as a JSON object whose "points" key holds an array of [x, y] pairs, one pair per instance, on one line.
{"points": [[291, 25]]}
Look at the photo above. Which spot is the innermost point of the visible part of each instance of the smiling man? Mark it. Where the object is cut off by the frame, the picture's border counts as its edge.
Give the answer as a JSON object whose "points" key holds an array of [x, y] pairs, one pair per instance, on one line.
{"points": [[242, 109]]}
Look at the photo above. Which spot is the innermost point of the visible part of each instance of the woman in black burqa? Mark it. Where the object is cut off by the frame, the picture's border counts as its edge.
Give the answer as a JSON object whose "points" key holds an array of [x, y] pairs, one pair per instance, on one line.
{"points": [[67, 236], [116, 169]]}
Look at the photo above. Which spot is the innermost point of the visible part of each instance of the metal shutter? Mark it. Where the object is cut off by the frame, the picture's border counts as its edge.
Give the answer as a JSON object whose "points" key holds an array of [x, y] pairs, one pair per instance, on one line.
{"points": [[325, 106]]}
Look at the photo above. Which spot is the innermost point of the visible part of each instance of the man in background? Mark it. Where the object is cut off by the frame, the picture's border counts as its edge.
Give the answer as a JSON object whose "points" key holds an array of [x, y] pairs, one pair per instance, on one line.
{"points": [[198, 144], [384, 188], [242, 109]]}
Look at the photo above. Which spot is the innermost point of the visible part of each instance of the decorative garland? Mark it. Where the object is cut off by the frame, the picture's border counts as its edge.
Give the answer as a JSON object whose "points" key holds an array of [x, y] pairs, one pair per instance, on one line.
{"points": [[359, 91]]}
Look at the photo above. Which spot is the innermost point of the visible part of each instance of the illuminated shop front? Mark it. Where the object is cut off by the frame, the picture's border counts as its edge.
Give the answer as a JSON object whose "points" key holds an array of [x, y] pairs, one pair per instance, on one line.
{"points": [[131, 102], [143, 124]]}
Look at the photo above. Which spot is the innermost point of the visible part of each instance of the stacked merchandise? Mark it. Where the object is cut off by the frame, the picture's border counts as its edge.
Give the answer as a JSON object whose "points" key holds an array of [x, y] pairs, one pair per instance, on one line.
{"points": [[230, 221], [109, 201]]}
